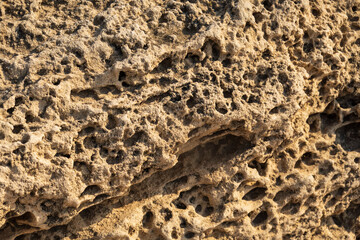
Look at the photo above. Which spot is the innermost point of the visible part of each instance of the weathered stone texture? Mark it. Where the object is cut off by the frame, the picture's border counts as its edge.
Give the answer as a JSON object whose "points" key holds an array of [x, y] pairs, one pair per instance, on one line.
{"points": [[198, 119]]}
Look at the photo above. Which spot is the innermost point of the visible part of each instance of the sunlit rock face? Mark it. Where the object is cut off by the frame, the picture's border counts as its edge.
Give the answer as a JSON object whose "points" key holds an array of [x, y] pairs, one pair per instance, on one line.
{"points": [[198, 119]]}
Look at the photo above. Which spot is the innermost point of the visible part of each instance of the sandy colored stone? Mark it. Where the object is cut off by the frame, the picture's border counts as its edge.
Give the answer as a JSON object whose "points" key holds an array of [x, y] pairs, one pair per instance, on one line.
{"points": [[199, 119]]}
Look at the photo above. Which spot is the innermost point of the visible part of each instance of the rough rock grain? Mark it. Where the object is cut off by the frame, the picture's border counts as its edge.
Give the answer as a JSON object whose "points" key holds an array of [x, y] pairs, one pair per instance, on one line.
{"points": [[198, 119]]}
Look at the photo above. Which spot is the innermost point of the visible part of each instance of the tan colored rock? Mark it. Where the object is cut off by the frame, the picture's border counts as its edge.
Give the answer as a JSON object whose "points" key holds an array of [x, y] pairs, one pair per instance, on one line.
{"points": [[197, 119]]}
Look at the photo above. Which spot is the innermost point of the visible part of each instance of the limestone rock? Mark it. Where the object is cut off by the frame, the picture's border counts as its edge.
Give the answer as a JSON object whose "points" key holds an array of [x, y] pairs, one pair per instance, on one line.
{"points": [[198, 119]]}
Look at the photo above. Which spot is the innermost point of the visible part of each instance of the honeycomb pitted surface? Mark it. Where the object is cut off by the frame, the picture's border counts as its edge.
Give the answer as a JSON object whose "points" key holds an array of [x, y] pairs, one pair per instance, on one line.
{"points": [[179, 119]]}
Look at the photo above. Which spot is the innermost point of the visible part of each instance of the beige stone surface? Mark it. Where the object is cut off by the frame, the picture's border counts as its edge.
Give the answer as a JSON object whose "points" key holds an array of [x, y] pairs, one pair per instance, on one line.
{"points": [[169, 119]]}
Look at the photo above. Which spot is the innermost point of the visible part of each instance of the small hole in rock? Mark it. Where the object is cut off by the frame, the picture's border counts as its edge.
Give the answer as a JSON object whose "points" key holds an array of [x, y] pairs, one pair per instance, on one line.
{"points": [[42, 72], [91, 190], [19, 100], [260, 218], [17, 129], [19, 150], [215, 52], [255, 194], [24, 139], [308, 47], [205, 198], [337, 221], [180, 205], [260, 167], [326, 168], [78, 148], [183, 223], [57, 82], [278, 181], [61, 154], [87, 93], [266, 54], [226, 62], [98, 19], [227, 93], [268, 5], [153, 81], [164, 81], [10, 110], [191, 59], [90, 142], [111, 124], [86, 131], [174, 234], [191, 102], [221, 108], [208, 211], [88, 213], [198, 208], [258, 17], [348, 137], [308, 158], [148, 219], [26, 218], [100, 197], [125, 84], [119, 158], [29, 118], [189, 235], [238, 177], [140, 136], [268, 150], [291, 208], [274, 25], [167, 214], [122, 76], [110, 89], [315, 12], [164, 64]]}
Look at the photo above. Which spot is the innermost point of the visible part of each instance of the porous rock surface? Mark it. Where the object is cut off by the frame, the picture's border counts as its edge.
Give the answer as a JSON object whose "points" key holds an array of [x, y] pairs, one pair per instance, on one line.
{"points": [[198, 119]]}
